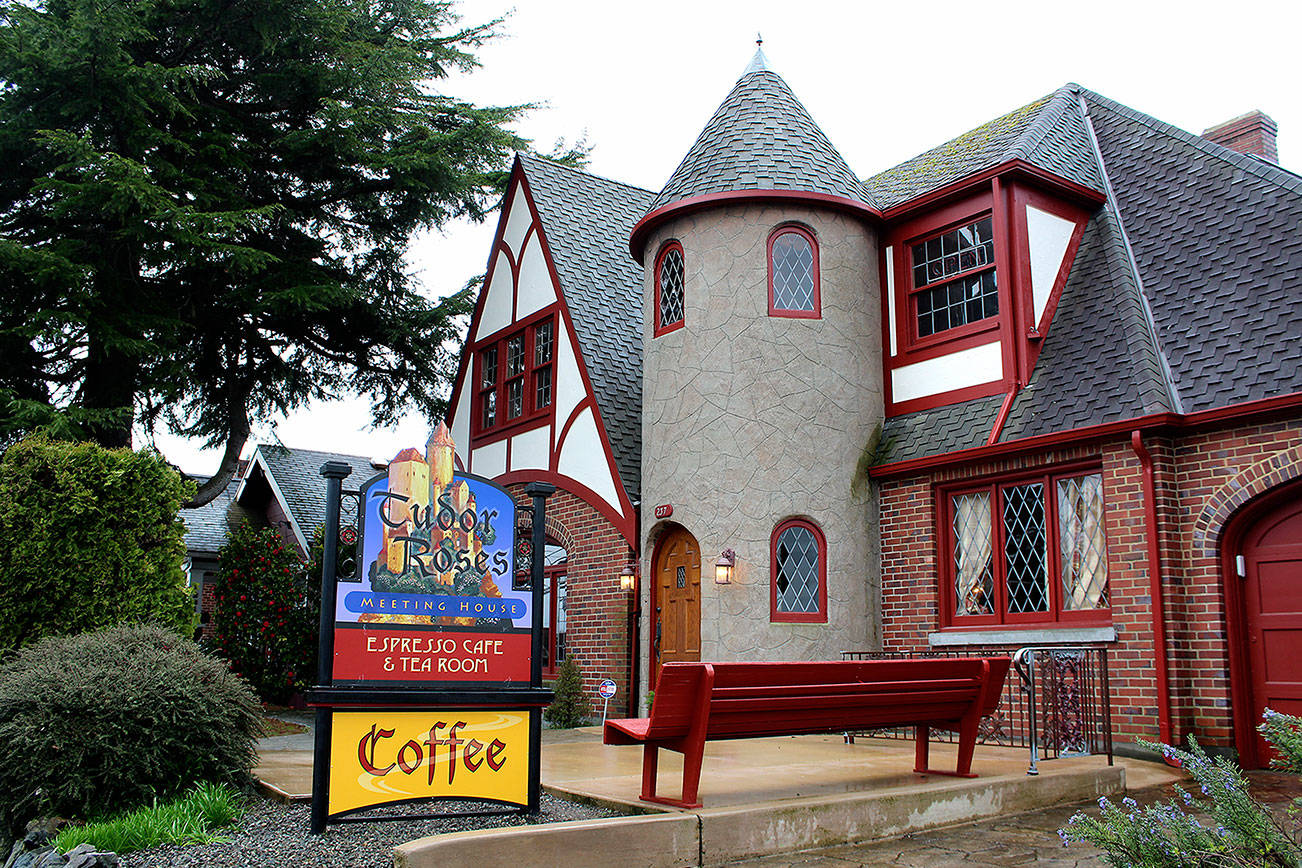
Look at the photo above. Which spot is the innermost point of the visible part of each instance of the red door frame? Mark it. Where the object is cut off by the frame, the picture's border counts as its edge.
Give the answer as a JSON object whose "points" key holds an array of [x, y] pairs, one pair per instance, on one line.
{"points": [[1241, 694]]}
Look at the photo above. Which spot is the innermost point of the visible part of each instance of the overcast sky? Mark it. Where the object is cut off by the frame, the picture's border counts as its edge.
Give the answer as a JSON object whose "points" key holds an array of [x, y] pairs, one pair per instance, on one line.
{"points": [[884, 80]]}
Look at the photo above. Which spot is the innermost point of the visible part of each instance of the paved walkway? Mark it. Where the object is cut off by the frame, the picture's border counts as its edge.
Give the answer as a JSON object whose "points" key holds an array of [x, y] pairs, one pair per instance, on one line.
{"points": [[1025, 839]]}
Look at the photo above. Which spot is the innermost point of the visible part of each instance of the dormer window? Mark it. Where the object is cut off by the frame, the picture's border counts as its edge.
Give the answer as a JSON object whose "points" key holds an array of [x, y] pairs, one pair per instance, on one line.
{"points": [[954, 278], [669, 289], [793, 273]]}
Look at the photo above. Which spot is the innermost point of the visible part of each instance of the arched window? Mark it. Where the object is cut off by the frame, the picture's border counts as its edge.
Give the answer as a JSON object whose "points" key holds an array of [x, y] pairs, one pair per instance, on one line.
{"points": [[555, 569], [669, 289], [793, 273], [798, 562]]}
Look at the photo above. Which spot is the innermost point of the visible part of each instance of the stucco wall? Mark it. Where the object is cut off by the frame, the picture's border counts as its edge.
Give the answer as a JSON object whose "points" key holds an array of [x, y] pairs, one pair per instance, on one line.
{"points": [[750, 419]]}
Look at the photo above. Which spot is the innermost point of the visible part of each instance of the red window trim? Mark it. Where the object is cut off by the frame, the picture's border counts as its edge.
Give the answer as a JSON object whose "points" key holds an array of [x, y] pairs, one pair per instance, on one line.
{"points": [[808, 235], [660, 257], [1048, 476], [532, 416], [912, 341], [818, 617]]}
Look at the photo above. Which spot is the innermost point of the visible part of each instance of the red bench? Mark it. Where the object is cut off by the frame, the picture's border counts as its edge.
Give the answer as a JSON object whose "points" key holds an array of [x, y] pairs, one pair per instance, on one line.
{"points": [[699, 702]]}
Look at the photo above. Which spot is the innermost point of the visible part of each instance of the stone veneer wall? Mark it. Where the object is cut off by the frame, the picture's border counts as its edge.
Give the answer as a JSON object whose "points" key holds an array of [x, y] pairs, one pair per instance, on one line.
{"points": [[749, 419]]}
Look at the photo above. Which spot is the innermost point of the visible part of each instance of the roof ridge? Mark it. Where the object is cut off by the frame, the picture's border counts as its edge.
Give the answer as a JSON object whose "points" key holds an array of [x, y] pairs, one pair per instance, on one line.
{"points": [[1036, 131], [558, 165], [1112, 209], [1267, 171]]}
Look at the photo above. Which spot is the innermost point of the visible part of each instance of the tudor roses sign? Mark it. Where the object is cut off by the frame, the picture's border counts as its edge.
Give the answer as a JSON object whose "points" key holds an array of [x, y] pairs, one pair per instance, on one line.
{"points": [[433, 599]]}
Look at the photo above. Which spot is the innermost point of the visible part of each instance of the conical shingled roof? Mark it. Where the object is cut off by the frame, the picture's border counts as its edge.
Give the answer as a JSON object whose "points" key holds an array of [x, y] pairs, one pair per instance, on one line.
{"points": [[762, 138]]}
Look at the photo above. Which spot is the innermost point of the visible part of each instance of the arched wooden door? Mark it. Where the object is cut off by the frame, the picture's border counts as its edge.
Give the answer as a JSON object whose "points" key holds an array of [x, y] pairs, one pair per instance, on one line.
{"points": [[676, 607], [1272, 607]]}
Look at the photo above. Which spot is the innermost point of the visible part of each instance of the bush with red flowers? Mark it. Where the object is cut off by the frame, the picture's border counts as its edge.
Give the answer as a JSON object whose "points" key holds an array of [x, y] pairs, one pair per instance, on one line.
{"points": [[265, 618]]}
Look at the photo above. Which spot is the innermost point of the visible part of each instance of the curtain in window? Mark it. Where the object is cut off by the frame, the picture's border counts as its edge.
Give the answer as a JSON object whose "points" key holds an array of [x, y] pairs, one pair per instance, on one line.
{"points": [[974, 584], [1080, 541]]}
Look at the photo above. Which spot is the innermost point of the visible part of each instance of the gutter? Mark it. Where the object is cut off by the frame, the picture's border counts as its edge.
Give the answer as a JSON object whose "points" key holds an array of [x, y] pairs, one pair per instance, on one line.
{"points": [[1215, 415], [1155, 588]]}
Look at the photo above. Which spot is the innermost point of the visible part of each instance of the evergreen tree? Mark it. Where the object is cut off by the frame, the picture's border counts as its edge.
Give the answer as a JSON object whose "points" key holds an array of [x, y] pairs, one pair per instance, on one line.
{"points": [[205, 206]]}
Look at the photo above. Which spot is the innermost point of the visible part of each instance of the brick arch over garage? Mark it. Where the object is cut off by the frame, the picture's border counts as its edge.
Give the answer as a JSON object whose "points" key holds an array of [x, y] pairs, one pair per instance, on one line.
{"points": [[1266, 475], [1218, 535]]}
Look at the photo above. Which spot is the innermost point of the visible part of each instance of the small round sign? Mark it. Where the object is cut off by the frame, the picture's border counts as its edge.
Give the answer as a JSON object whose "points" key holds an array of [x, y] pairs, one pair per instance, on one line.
{"points": [[607, 689]]}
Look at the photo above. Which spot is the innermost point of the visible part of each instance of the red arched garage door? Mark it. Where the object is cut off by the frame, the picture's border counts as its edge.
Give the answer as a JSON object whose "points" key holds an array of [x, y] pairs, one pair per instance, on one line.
{"points": [[1272, 606]]}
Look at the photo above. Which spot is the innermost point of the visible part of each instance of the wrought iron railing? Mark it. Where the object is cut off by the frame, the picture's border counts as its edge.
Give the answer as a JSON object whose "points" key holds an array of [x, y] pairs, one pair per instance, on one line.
{"points": [[1056, 701]]}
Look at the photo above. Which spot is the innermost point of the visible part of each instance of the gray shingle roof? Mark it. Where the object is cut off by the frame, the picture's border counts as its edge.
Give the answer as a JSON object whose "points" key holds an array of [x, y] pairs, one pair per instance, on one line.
{"points": [[1217, 237], [762, 138], [1048, 133], [297, 472], [1217, 242], [207, 526], [586, 222]]}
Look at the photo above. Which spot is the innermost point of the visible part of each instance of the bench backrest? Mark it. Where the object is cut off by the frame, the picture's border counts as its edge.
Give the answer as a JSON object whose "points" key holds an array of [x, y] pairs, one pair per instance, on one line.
{"points": [[753, 699]]}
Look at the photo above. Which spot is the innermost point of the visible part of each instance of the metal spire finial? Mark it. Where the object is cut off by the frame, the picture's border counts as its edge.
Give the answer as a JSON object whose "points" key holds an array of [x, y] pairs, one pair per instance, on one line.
{"points": [[758, 63]]}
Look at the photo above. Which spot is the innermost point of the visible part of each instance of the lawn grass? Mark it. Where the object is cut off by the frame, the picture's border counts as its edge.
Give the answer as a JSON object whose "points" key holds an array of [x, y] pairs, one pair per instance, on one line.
{"points": [[189, 819]]}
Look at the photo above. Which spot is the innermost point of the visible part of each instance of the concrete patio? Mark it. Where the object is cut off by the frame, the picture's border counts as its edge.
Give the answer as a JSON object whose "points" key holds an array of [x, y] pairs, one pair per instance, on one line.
{"points": [[761, 797]]}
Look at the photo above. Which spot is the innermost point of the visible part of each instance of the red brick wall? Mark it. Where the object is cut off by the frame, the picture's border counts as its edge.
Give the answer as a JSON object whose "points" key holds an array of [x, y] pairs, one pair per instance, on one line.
{"points": [[1201, 479], [597, 611]]}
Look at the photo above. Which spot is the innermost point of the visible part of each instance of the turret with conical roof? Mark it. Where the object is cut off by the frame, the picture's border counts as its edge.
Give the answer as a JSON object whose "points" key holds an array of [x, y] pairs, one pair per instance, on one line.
{"points": [[762, 379], [761, 139]]}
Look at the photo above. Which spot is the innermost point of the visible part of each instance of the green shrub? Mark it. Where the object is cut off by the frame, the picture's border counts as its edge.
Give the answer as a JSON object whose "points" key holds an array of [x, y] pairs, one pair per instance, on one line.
{"points": [[89, 538], [571, 707], [112, 720], [265, 613], [190, 819], [1167, 834]]}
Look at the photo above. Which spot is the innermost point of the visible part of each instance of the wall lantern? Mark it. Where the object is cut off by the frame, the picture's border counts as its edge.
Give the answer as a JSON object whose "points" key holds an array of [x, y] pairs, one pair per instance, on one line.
{"points": [[628, 577], [723, 567]]}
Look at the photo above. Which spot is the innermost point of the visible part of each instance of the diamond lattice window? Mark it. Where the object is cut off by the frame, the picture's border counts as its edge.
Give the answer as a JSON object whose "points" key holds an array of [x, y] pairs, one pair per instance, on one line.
{"points": [[669, 288], [793, 270], [798, 571], [1024, 549], [1084, 562], [1029, 550]]}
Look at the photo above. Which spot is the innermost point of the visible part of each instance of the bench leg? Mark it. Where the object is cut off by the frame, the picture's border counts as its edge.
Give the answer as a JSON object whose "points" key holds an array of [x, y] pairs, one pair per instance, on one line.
{"points": [[650, 760], [692, 758], [967, 736], [922, 736]]}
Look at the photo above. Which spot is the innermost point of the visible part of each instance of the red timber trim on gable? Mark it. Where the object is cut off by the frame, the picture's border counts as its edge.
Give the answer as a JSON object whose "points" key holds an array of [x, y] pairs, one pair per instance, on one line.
{"points": [[1001, 192], [625, 522], [530, 417], [1026, 445], [1012, 170], [637, 239], [1031, 332]]}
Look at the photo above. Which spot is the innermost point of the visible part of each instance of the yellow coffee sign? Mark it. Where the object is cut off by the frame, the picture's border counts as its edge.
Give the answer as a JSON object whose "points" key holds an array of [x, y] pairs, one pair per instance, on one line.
{"points": [[378, 757]]}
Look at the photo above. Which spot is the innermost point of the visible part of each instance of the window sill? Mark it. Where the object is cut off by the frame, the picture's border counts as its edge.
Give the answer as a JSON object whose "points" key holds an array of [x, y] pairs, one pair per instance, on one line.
{"points": [[1033, 636]]}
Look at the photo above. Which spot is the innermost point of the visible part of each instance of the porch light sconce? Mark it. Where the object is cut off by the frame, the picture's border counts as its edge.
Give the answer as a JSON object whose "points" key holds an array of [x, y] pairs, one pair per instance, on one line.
{"points": [[723, 567], [628, 577]]}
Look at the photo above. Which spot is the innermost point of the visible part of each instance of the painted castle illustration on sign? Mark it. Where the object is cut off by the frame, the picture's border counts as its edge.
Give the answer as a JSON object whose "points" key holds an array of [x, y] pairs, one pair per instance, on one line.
{"points": [[435, 538]]}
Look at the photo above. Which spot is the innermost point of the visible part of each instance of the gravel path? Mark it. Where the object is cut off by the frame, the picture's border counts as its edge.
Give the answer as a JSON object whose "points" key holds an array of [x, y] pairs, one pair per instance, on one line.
{"points": [[273, 834]]}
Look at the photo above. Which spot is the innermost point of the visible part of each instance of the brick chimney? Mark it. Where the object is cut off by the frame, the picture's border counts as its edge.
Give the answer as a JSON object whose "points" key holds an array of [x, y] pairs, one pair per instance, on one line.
{"points": [[1253, 133]]}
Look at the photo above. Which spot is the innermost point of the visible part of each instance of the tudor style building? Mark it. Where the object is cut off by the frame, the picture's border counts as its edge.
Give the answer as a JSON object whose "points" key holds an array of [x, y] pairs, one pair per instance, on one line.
{"points": [[1042, 383]]}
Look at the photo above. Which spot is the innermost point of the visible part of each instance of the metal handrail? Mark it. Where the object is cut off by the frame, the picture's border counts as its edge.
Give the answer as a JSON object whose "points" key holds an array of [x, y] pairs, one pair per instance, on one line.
{"points": [[1065, 687]]}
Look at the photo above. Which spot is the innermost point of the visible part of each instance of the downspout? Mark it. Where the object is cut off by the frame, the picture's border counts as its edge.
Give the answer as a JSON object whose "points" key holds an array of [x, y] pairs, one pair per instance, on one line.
{"points": [[1001, 417], [1155, 587]]}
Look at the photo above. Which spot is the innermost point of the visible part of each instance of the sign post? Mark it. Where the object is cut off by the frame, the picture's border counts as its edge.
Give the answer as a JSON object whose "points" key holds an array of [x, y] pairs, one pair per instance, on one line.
{"points": [[429, 681], [606, 691]]}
